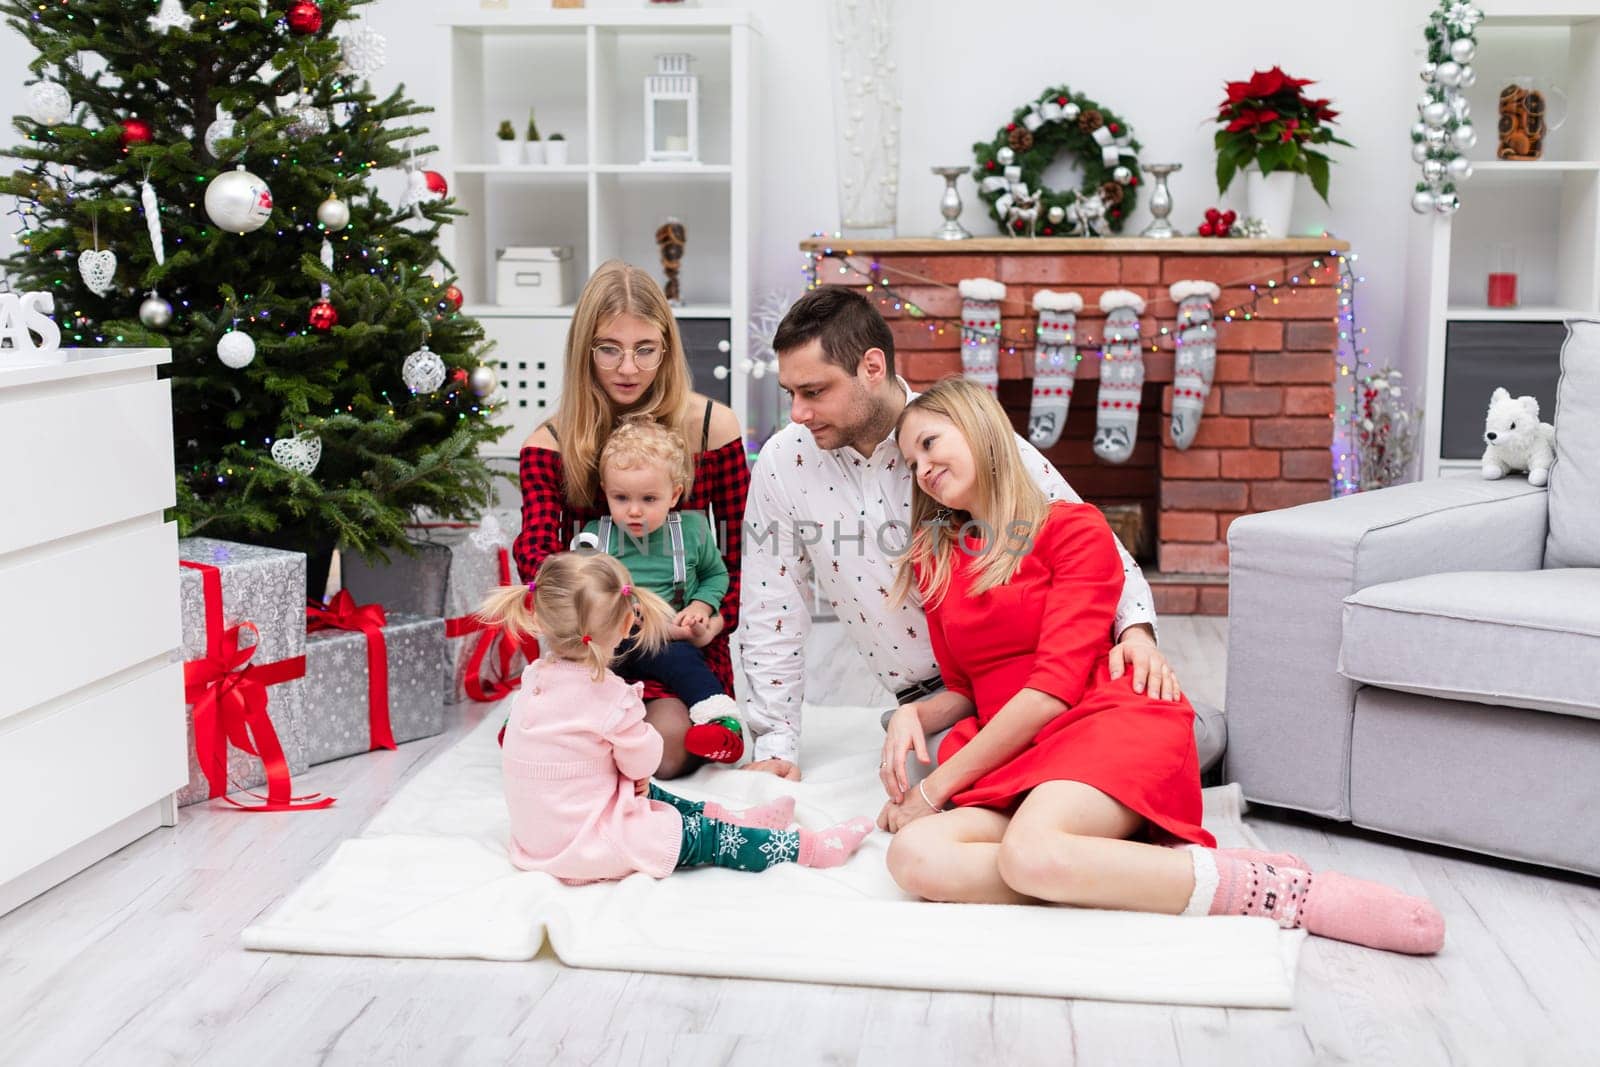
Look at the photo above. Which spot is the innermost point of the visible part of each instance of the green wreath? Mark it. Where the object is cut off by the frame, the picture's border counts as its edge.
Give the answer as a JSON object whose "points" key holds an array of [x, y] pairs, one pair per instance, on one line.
{"points": [[1059, 121]]}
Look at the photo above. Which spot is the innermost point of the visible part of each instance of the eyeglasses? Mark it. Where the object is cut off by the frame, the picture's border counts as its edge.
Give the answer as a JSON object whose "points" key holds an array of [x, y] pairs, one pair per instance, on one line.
{"points": [[609, 357]]}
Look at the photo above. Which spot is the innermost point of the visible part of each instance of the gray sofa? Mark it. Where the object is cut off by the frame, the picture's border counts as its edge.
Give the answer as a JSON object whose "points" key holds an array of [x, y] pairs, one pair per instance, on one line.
{"points": [[1425, 660]]}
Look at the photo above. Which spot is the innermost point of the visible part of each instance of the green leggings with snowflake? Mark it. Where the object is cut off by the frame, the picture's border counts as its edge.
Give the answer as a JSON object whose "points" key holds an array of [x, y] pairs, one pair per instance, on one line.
{"points": [[713, 842]]}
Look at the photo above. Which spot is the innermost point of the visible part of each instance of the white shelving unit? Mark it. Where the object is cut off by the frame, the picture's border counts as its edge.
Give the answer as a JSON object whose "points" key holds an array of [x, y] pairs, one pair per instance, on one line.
{"points": [[1542, 215], [583, 74]]}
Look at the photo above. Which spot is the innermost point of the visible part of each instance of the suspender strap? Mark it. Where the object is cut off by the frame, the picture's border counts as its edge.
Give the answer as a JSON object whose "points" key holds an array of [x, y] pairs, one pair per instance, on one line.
{"points": [[680, 564], [705, 430], [605, 534]]}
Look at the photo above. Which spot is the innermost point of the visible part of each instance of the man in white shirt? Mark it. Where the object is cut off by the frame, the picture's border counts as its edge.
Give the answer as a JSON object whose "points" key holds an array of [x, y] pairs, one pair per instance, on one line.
{"points": [[830, 501]]}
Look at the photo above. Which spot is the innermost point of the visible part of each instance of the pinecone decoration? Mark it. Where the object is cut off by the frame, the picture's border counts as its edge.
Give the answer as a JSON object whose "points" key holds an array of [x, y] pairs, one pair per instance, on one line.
{"points": [[1091, 120], [1112, 193], [1020, 139]]}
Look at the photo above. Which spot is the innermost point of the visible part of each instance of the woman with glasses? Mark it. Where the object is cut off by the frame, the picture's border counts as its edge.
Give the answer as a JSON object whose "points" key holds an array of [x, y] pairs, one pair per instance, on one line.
{"points": [[624, 357]]}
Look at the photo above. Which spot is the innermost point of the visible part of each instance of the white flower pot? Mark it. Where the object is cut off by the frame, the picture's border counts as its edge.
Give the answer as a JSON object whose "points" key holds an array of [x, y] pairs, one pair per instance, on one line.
{"points": [[1270, 198], [507, 153], [555, 153], [535, 152]]}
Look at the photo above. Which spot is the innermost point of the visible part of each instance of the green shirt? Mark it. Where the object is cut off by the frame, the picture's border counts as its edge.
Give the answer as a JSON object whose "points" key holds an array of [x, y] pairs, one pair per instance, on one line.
{"points": [[649, 560]]}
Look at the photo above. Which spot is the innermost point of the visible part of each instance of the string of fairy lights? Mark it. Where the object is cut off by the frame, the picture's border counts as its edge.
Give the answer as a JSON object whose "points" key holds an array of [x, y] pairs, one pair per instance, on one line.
{"points": [[1265, 289]]}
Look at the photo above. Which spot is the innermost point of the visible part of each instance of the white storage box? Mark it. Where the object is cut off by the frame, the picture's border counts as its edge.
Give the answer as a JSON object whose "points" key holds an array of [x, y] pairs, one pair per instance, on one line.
{"points": [[534, 275]]}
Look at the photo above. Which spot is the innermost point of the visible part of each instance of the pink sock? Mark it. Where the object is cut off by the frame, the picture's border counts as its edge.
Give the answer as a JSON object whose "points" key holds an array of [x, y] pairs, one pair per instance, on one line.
{"points": [[1327, 904], [773, 815], [1276, 859], [831, 847]]}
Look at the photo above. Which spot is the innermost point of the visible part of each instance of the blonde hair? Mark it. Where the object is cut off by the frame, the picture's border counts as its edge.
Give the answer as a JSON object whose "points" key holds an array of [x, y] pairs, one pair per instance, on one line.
{"points": [[586, 416], [576, 595], [641, 442], [1004, 492]]}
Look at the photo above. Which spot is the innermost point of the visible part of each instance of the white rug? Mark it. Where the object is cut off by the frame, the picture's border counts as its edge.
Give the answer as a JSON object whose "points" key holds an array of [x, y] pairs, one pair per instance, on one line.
{"points": [[429, 877]]}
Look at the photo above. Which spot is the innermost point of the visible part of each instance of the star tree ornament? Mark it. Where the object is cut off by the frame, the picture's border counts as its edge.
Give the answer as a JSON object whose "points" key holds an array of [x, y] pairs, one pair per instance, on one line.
{"points": [[1445, 130], [170, 17], [49, 104]]}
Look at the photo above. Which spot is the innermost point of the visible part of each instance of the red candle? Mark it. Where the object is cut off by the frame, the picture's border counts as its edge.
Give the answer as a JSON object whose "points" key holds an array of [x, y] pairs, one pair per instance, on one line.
{"points": [[1502, 290]]}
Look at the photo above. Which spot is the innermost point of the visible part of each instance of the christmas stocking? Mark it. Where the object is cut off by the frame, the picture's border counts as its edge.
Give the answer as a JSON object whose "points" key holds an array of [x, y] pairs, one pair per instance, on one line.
{"points": [[1196, 363], [1121, 376], [1055, 365], [980, 330]]}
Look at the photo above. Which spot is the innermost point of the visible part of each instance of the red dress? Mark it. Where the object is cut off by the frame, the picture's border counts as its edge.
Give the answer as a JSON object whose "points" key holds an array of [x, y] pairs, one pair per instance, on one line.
{"points": [[1049, 629], [721, 483]]}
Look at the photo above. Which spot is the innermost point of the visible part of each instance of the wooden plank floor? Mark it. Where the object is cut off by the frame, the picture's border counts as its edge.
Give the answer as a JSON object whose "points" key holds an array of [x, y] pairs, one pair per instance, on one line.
{"points": [[137, 961]]}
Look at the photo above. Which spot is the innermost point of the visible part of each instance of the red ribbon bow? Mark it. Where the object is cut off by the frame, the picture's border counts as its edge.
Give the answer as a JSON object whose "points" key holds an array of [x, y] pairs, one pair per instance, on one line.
{"points": [[491, 639], [230, 699], [343, 613]]}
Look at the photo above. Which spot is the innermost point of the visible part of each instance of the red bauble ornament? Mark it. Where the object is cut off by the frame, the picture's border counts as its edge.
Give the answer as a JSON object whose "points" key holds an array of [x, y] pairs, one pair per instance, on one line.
{"points": [[436, 182], [304, 17], [1224, 230], [1213, 215], [453, 297], [136, 131], [1230, 217], [323, 317], [1206, 229]]}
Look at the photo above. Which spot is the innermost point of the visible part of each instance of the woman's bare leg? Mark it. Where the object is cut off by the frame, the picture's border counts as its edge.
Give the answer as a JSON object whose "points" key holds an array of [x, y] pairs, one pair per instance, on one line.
{"points": [[952, 857], [670, 717], [1067, 844]]}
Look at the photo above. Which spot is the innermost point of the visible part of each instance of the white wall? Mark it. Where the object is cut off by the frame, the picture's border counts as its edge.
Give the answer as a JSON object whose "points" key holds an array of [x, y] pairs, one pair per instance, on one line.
{"points": [[964, 66]]}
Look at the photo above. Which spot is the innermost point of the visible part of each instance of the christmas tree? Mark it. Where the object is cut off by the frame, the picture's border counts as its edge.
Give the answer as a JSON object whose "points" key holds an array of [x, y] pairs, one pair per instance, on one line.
{"points": [[201, 176]]}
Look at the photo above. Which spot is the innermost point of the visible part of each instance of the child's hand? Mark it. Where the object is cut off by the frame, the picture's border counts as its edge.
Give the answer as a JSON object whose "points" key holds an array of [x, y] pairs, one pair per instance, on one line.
{"points": [[692, 616], [707, 631], [641, 786], [680, 633]]}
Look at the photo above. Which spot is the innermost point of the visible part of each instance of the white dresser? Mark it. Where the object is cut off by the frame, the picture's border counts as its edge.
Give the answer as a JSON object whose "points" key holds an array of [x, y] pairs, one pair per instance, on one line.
{"points": [[91, 684]]}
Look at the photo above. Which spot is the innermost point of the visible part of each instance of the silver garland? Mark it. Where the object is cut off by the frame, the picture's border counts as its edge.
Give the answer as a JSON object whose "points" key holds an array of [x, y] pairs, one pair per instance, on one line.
{"points": [[1444, 128]]}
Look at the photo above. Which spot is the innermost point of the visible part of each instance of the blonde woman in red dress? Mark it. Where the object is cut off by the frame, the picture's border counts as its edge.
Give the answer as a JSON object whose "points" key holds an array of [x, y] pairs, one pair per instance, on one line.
{"points": [[1058, 783]]}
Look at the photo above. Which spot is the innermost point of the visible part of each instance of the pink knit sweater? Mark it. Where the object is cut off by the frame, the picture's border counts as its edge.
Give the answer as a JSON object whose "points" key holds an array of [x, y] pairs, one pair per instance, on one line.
{"points": [[573, 748]]}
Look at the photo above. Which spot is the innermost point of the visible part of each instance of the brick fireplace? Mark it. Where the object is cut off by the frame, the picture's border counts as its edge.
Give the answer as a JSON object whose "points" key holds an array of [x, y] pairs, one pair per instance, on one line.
{"points": [[1267, 429]]}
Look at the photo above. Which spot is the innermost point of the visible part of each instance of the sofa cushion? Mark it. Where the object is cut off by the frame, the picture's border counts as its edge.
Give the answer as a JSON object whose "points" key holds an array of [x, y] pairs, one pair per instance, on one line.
{"points": [[1527, 639], [1574, 539]]}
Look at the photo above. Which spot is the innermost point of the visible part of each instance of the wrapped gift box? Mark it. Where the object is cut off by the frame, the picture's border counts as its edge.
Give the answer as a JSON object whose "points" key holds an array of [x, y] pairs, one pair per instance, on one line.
{"points": [[338, 711], [267, 588], [474, 560]]}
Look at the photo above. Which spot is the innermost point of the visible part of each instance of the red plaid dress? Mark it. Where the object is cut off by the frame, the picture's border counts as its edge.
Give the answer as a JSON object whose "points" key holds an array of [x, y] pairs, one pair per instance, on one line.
{"points": [[721, 483]]}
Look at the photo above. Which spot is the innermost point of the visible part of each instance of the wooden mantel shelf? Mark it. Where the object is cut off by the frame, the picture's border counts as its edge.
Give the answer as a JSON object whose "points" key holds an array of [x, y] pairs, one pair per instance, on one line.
{"points": [[1211, 246]]}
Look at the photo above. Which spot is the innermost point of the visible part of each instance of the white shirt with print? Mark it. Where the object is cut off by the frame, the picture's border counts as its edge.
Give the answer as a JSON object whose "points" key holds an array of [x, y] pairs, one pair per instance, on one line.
{"points": [[816, 514]]}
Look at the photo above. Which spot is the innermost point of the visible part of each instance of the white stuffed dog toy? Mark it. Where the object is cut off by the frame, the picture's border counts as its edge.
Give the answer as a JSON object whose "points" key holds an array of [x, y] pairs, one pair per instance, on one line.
{"points": [[1517, 440]]}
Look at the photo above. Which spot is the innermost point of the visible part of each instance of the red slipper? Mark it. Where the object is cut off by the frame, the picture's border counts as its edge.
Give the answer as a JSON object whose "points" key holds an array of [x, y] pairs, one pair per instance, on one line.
{"points": [[715, 741]]}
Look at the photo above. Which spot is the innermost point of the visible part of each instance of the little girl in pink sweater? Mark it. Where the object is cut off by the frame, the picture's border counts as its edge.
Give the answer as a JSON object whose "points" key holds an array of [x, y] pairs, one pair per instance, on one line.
{"points": [[578, 754]]}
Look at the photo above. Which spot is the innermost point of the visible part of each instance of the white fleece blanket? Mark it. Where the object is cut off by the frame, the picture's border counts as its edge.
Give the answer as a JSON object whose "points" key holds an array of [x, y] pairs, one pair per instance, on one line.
{"points": [[429, 877]]}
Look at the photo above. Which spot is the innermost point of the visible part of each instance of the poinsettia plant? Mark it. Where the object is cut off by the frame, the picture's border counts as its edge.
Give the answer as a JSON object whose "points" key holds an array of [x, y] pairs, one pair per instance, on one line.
{"points": [[1272, 122]]}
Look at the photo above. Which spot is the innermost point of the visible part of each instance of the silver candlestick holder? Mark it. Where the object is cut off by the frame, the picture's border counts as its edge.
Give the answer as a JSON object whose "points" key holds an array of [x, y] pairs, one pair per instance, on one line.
{"points": [[950, 205], [1160, 200]]}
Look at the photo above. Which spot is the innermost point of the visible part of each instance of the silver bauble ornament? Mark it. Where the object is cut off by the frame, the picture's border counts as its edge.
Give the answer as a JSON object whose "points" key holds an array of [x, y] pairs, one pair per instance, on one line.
{"points": [[1446, 203], [1433, 170], [308, 120], [1435, 137], [1056, 214], [1464, 136], [483, 380], [1448, 74], [48, 103], [1459, 168], [236, 349], [1469, 77], [155, 312], [1418, 130], [1428, 71], [1419, 151], [1122, 175], [238, 201], [1435, 113], [1422, 201], [1005, 156], [1463, 49], [333, 213], [221, 128], [423, 371], [1070, 111]]}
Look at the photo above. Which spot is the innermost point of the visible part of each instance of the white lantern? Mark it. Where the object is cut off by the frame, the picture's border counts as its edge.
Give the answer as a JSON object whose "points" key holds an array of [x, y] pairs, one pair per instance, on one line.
{"points": [[672, 111]]}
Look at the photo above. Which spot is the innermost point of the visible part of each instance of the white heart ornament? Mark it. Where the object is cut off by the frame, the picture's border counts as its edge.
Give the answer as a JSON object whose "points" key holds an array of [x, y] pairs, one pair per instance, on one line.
{"points": [[97, 269], [301, 453]]}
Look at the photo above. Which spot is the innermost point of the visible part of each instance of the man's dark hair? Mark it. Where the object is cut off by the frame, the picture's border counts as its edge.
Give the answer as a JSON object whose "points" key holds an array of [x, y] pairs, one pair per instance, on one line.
{"points": [[843, 319]]}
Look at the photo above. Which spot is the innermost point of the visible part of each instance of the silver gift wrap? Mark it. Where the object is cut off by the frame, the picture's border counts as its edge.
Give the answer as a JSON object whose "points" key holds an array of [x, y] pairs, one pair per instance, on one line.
{"points": [[337, 719], [267, 587]]}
